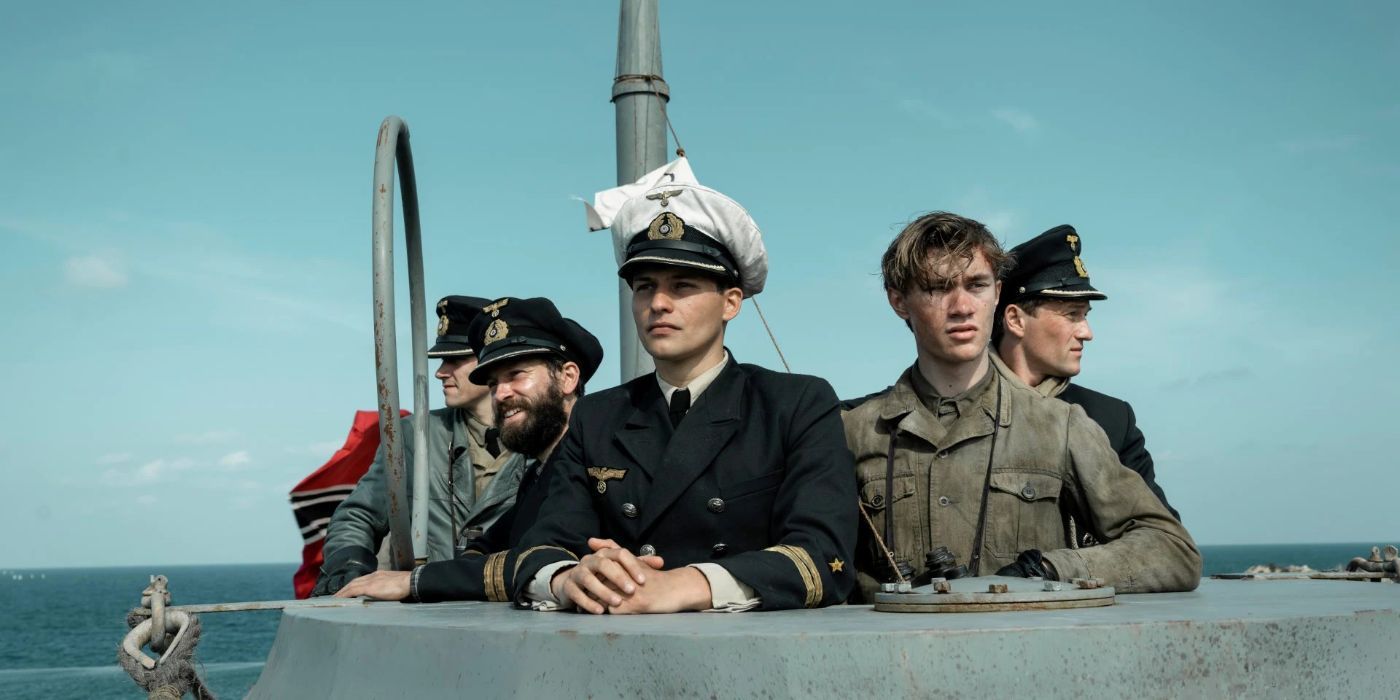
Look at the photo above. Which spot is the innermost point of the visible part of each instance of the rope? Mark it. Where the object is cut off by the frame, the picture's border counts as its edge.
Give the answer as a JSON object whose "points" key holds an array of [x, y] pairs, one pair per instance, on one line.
{"points": [[771, 337], [172, 675], [880, 541]]}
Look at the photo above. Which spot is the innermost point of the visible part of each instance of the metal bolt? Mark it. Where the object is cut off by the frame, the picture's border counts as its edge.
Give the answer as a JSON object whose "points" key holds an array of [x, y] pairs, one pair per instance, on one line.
{"points": [[904, 587], [1087, 583], [1052, 586], [887, 587], [996, 588], [942, 587]]}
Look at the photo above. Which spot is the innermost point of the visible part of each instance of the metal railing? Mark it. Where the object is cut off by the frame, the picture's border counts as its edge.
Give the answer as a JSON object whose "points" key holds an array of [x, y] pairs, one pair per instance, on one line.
{"points": [[407, 534]]}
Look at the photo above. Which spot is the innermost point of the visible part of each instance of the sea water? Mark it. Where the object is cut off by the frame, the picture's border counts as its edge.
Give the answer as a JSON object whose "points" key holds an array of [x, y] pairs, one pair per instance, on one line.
{"points": [[61, 627]]}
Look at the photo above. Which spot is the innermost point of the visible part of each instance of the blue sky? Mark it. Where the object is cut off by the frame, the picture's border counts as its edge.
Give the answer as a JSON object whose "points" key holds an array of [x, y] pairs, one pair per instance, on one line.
{"points": [[185, 227]]}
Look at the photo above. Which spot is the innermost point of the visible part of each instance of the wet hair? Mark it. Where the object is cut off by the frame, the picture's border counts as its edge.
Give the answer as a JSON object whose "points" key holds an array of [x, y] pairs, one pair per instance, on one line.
{"points": [[932, 243]]}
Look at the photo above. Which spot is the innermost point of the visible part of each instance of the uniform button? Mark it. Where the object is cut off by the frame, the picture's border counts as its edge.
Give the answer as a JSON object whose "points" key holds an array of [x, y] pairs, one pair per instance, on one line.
{"points": [[877, 500], [943, 500], [943, 454], [716, 505], [629, 510], [647, 550], [1028, 492], [719, 549]]}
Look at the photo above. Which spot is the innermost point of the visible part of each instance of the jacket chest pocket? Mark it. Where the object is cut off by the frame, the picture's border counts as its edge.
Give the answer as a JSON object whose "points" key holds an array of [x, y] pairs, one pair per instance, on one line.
{"points": [[877, 496], [1024, 513]]}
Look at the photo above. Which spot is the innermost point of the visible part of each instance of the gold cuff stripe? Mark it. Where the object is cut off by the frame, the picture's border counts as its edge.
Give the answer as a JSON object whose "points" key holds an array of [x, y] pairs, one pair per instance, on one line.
{"points": [[493, 577], [811, 576], [521, 559]]}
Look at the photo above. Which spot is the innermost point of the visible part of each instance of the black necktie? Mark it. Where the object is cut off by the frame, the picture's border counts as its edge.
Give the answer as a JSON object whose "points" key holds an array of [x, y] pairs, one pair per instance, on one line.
{"points": [[680, 403], [493, 441]]}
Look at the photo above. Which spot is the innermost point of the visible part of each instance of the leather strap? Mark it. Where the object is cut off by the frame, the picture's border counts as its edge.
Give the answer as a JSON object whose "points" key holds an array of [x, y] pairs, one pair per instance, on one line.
{"points": [[975, 559], [889, 499]]}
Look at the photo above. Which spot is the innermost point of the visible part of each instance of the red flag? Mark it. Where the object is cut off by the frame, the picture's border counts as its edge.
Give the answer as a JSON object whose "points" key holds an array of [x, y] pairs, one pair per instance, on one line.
{"points": [[316, 497]]}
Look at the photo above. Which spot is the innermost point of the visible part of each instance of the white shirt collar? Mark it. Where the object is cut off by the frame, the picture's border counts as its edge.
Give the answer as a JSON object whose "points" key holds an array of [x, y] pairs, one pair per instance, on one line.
{"points": [[697, 385]]}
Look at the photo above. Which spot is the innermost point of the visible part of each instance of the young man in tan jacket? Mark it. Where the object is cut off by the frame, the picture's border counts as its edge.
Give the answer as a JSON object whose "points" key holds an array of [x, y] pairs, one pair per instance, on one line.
{"points": [[955, 455]]}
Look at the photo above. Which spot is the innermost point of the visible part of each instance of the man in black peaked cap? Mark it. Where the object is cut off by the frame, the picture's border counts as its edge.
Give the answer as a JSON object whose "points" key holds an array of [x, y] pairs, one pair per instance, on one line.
{"points": [[534, 364], [1042, 326], [473, 481]]}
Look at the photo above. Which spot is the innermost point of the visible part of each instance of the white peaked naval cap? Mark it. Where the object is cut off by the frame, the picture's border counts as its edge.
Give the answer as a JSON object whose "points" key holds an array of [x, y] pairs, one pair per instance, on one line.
{"points": [[605, 204], [690, 225]]}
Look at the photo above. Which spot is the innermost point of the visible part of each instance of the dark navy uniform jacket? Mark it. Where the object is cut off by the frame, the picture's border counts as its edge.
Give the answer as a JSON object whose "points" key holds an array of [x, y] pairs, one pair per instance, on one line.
{"points": [[757, 478], [484, 571], [1117, 419]]}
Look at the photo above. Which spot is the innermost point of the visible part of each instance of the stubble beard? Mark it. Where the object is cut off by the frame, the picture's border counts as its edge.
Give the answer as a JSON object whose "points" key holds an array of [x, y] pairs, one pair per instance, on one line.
{"points": [[545, 420]]}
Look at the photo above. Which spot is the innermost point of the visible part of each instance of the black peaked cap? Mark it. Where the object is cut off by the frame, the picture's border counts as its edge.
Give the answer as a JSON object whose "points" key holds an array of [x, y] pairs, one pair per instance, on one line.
{"points": [[455, 316], [1049, 266], [510, 327]]}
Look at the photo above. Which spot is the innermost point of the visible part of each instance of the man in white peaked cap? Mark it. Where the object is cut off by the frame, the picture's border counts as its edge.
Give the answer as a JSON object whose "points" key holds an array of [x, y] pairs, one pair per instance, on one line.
{"points": [[708, 484]]}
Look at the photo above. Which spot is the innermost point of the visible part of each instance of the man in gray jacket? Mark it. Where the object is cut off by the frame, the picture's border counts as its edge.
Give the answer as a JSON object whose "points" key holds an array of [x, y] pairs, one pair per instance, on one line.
{"points": [[473, 482]]}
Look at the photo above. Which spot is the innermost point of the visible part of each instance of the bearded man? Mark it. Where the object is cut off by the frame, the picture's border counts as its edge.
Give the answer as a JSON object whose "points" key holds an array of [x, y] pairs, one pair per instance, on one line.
{"points": [[472, 481], [534, 364]]}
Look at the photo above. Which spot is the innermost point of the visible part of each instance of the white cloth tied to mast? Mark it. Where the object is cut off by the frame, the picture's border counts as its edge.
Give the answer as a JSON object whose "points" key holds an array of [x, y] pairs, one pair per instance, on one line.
{"points": [[628, 209], [606, 204]]}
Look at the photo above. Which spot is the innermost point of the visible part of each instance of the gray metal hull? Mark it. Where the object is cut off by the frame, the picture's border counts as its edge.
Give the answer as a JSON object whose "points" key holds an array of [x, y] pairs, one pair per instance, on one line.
{"points": [[1229, 638]]}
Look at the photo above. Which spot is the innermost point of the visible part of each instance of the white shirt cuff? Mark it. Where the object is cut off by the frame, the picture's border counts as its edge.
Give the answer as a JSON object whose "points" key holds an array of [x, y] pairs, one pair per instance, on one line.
{"points": [[727, 594], [540, 593]]}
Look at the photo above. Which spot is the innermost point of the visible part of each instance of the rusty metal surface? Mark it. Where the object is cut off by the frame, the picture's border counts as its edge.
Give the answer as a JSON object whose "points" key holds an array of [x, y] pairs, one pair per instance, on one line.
{"points": [[321, 602], [1228, 639], [407, 517], [1318, 575], [1386, 563], [994, 594], [993, 606]]}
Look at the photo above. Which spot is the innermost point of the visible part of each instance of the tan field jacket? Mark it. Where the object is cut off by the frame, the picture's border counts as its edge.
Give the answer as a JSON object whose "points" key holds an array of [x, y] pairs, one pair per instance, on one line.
{"points": [[1051, 463]]}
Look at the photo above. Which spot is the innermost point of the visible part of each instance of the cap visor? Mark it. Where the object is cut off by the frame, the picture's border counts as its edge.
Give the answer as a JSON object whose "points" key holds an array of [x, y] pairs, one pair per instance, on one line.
{"points": [[677, 258], [1079, 291], [449, 350], [480, 375]]}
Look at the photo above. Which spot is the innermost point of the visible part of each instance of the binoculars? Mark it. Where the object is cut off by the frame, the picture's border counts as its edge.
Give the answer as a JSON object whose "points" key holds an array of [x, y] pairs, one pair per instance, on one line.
{"points": [[939, 563]]}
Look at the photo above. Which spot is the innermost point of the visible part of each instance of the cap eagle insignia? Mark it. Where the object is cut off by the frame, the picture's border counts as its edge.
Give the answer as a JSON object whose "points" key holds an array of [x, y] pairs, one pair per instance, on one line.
{"points": [[495, 308], [665, 197], [1073, 241]]}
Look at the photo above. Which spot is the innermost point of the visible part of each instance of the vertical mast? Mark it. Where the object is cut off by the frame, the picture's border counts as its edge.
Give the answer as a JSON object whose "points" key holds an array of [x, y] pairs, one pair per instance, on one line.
{"points": [[637, 92]]}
